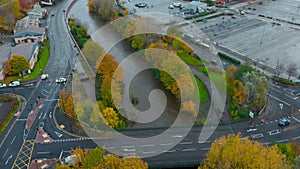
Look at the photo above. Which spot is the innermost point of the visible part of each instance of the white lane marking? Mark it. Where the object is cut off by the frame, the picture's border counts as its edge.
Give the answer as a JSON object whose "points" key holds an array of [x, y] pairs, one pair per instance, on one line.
{"points": [[274, 132], [177, 136], [50, 114], [128, 146], [47, 152], [13, 140], [147, 145], [5, 153], [273, 97], [8, 159], [169, 151], [44, 116], [296, 137], [149, 152], [189, 149], [296, 119], [284, 140], [257, 135], [41, 115], [185, 143], [205, 148], [266, 143], [108, 148], [129, 154], [166, 144], [249, 130], [125, 149]]}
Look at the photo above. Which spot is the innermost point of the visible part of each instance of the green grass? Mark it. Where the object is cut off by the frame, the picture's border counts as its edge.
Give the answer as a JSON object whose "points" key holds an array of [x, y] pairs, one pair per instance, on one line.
{"points": [[202, 90], [219, 80], [190, 60], [202, 69], [9, 117]]}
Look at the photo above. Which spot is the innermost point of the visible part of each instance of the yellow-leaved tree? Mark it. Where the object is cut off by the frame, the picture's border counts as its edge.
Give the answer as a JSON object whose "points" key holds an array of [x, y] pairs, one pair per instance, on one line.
{"points": [[233, 152]]}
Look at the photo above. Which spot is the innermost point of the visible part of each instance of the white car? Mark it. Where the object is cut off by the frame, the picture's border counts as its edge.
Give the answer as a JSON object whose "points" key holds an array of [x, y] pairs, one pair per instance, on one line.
{"points": [[44, 76], [14, 83], [171, 7], [61, 80], [2, 85], [177, 4]]}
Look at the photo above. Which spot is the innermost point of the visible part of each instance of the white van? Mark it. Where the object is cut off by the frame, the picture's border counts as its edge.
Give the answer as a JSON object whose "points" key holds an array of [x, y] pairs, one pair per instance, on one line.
{"points": [[14, 83]]}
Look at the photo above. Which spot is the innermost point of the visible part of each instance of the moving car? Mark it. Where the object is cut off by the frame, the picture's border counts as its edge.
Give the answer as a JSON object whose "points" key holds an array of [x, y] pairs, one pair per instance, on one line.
{"points": [[171, 6], [2, 85], [61, 80], [14, 83], [141, 5], [284, 122], [44, 76]]}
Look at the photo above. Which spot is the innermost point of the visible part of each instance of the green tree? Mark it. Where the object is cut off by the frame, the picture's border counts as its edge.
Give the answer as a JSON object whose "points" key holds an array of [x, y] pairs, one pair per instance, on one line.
{"points": [[15, 65], [246, 67], [93, 51], [233, 152]]}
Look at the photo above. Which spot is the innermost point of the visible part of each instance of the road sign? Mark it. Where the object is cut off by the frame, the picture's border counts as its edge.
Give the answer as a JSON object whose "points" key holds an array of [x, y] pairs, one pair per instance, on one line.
{"points": [[281, 105]]}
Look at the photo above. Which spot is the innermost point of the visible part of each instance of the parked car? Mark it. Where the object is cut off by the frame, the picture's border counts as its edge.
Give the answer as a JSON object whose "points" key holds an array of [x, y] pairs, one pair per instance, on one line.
{"points": [[177, 4], [284, 122], [171, 6], [2, 85], [14, 83], [61, 80], [44, 76], [141, 5]]}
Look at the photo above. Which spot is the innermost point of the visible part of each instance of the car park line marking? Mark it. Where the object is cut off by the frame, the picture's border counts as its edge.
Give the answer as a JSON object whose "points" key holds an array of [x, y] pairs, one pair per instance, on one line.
{"points": [[296, 137], [47, 152], [266, 143], [274, 132], [129, 154], [109, 148], [185, 143], [284, 140], [189, 149], [128, 146], [149, 152], [205, 148], [296, 119], [169, 151], [147, 145], [257, 135], [166, 144], [13, 140]]}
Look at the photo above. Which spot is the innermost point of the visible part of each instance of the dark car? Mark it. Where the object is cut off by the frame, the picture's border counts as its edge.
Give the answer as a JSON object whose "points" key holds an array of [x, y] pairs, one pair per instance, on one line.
{"points": [[141, 5], [284, 122]]}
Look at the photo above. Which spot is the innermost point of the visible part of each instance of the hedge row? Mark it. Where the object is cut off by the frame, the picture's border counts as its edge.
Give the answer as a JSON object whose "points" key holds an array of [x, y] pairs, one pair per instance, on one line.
{"points": [[229, 58]]}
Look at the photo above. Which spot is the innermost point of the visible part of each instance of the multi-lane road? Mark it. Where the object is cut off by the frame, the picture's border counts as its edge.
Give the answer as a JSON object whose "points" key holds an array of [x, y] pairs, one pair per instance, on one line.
{"points": [[18, 146]]}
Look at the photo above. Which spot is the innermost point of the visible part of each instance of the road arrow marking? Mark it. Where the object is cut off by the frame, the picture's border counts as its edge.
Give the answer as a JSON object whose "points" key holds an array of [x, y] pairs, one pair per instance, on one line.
{"points": [[8, 159], [58, 134], [281, 105]]}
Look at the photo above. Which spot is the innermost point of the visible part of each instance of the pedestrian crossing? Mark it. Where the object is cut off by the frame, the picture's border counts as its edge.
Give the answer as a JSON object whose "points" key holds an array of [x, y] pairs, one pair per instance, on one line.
{"points": [[72, 139]]}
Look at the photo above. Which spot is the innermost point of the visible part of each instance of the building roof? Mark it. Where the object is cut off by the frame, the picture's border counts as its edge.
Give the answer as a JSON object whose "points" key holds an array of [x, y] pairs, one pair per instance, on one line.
{"points": [[24, 49], [31, 30], [26, 22], [37, 11]]}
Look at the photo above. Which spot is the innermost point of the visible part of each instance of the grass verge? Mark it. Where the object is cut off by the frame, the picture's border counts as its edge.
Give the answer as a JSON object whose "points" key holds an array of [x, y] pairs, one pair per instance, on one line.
{"points": [[9, 117]]}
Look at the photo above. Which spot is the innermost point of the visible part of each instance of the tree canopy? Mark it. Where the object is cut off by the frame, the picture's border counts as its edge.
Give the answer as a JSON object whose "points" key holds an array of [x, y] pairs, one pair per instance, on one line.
{"points": [[15, 65], [233, 152]]}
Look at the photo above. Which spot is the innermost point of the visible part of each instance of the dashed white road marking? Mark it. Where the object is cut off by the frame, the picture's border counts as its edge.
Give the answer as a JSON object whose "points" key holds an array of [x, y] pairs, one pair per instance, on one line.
{"points": [[166, 144], [149, 152], [205, 148], [128, 146], [266, 143], [147, 145], [129, 154], [186, 143], [169, 151], [274, 132], [284, 140], [190, 149], [296, 137]]}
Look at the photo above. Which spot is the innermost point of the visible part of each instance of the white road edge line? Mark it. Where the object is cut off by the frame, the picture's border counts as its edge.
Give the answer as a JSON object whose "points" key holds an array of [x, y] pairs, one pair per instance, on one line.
{"points": [[296, 119]]}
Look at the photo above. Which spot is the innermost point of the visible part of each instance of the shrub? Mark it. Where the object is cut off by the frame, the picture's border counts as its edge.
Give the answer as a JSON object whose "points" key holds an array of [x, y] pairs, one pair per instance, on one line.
{"points": [[229, 58]]}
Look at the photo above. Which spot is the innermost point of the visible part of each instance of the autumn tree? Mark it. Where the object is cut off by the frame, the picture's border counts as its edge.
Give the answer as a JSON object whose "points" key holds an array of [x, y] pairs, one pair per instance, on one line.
{"points": [[239, 94], [96, 158], [66, 102], [112, 118], [233, 152], [15, 65], [231, 71], [93, 51]]}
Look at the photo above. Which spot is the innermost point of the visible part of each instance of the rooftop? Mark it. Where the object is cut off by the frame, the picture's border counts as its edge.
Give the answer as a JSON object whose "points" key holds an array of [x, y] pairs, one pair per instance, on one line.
{"points": [[25, 49], [26, 22]]}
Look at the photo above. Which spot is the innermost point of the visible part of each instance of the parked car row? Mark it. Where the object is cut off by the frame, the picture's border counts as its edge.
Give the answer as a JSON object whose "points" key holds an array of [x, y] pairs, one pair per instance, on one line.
{"points": [[11, 84]]}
